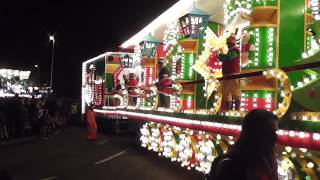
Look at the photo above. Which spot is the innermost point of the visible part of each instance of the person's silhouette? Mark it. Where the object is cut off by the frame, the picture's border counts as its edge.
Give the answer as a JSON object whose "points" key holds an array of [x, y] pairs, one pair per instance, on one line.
{"points": [[252, 156]]}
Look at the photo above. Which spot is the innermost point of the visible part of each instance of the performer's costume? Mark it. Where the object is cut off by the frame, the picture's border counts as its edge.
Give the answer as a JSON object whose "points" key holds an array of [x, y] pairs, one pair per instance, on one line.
{"points": [[92, 125], [230, 66], [164, 86], [132, 85], [117, 90]]}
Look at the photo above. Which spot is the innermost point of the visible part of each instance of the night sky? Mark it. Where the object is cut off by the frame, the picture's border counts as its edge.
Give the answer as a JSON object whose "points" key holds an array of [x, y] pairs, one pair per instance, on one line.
{"points": [[83, 29]]}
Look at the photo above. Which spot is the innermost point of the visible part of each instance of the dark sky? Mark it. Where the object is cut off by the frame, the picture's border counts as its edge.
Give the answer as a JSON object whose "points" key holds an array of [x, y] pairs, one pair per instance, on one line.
{"points": [[83, 29]]}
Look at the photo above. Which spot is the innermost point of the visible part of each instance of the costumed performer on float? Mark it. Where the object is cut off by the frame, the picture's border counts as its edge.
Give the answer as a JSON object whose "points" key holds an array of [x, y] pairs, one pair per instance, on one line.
{"points": [[164, 84], [117, 89], [230, 66], [132, 85]]}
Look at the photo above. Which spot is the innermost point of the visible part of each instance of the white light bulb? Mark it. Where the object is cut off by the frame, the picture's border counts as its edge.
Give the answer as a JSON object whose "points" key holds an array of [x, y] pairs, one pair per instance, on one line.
{"points": [[304, 55], [310, 165], [316, 136]]}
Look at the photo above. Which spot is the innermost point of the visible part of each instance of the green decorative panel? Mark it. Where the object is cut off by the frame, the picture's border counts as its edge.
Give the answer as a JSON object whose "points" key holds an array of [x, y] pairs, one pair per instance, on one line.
{"points": [[257, 3], [187, 60], [264, 39], [214, 27], [309, 96], [109, 81], [292, 29], [297, 76]]}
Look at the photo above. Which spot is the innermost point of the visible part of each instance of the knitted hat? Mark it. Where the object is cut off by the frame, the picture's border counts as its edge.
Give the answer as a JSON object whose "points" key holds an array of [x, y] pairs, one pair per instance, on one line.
{"points": [[232, 39]]}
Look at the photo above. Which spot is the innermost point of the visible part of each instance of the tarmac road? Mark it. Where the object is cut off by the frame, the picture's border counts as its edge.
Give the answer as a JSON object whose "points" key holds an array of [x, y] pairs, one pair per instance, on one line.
{"points": [[69, 156]]}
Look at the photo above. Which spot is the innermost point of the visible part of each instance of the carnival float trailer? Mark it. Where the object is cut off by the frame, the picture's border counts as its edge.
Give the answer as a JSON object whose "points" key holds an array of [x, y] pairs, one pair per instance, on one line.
{"points": [[168, 77]]}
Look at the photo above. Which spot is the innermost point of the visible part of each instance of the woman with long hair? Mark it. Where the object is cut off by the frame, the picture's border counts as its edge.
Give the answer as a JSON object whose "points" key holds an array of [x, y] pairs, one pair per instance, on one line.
{"points": [[252, 156]]}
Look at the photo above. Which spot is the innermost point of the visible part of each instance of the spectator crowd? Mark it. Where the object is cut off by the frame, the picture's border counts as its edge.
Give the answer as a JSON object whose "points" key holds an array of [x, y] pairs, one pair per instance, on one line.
{"points": [[21, 117]]}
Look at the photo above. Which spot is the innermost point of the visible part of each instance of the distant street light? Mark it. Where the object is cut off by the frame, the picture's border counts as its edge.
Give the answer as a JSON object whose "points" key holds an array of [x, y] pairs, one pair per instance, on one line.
{"points": [[51, 37]]}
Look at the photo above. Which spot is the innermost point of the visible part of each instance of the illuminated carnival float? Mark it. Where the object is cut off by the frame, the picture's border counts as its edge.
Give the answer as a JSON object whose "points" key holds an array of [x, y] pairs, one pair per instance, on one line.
{"points": [[20, 83], [169, 77]]}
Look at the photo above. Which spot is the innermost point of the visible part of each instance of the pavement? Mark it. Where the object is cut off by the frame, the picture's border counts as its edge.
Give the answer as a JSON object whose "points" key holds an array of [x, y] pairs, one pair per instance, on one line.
{"points": [[70, 156]]}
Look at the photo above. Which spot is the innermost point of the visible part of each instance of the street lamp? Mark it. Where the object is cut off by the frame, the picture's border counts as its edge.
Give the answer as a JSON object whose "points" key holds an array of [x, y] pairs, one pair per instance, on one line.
{"points": [[51, 37]]}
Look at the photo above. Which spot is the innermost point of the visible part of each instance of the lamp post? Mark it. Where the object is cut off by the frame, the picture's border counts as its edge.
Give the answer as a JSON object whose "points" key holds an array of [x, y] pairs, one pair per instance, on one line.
{"points": [[51, 37]]}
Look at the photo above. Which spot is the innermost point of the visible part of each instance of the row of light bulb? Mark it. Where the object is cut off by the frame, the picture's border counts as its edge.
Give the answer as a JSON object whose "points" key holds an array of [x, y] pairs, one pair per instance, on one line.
{"points": [[257, 43], [216, 97], [306, 81], [171, 35], [191, 62], [232, 8], [270, 46], [306, 116], [312, 46], [183, 151], [183, 59], [270, 49], [204, 151], [244, 103], [314, 5]]}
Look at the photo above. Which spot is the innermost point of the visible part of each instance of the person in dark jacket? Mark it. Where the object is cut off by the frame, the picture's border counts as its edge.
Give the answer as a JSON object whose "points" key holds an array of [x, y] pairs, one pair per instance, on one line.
{"points": [[252, 157]]}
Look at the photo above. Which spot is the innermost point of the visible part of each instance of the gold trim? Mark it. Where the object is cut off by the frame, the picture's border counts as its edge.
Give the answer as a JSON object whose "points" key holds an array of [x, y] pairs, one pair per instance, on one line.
{"points": [[257, 88], [265, 7], [277, 52], [264, 14], [190, 51], [305, 26], [189, 45], [195, 74], [281, 76], [233, 113], [306, 116], [261, 25], [252, 70], [182, 81], [309, 17], [278, 35]]}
